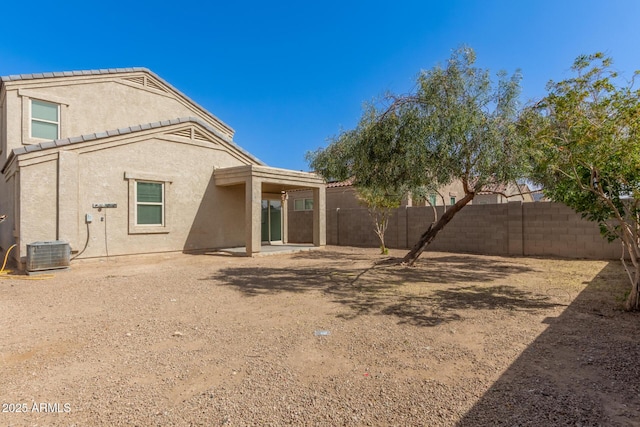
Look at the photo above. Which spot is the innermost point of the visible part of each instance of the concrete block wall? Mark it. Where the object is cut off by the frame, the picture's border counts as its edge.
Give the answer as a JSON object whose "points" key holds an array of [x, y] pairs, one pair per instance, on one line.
{"points": [[476, 229], [355, 228], [554, 229], [300, 226], [515, 228]]}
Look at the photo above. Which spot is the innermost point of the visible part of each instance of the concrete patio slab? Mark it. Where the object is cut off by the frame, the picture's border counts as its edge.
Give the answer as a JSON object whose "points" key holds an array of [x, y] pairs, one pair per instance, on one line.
{"points": [[266, 250]]}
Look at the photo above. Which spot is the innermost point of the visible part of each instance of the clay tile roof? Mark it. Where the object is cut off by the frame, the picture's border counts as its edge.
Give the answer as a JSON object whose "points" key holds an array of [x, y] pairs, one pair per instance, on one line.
{"points": [[494, 188], [345, 183]]}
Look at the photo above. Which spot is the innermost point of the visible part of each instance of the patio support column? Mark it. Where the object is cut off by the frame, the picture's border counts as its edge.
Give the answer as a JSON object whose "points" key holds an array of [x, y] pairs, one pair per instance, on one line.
{"points": [[285, 217], [253, 215], [319, 217]]}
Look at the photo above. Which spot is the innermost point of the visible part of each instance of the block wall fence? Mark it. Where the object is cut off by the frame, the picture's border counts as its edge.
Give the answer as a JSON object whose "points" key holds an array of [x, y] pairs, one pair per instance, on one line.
{"points": [[514, 228]]}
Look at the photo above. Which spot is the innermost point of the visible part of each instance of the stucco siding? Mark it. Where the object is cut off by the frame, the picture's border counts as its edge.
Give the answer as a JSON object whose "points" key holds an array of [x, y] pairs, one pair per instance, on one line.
{"points": [[108, 131], [38, 203], [8, 208], [93, 106], [12, 130], [199, 215]]}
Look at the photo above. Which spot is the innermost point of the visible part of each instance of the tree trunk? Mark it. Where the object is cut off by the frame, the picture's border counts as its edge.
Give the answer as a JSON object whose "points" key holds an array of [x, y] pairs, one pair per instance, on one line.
{"points": [[633, 300], [433, 230], [629, 239]]}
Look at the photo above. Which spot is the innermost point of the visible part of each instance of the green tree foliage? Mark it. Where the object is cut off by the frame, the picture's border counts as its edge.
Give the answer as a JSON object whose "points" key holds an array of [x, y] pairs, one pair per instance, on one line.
{"points": [[585, 152], [380, 206], [456, 125]]}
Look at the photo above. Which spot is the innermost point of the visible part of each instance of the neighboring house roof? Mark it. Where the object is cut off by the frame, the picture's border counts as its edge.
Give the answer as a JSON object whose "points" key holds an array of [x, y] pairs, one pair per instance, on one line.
{"points": [[506, 189], [107, 71], [524, 188], [345, 183], [123, 131], [493, 188], [487, 189]]}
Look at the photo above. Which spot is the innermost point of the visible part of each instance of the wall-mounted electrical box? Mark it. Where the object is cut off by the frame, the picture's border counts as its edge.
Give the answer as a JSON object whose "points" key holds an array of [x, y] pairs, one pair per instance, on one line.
{"points": [[88, 218]]}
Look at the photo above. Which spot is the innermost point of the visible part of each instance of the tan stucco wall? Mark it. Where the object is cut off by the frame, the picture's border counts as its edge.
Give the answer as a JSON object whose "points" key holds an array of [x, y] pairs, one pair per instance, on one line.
{"points": [[59, 182], [487, 199], [454, 189], [514, 195], [199, 214], [6, 208], [38, 199], [336, 197], [94, 104]]}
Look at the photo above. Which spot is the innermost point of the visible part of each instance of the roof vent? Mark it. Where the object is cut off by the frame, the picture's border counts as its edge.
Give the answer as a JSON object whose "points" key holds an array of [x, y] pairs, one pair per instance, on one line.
{"points": [[200, 136], [154, 85], [137, 79], [52, 255]]}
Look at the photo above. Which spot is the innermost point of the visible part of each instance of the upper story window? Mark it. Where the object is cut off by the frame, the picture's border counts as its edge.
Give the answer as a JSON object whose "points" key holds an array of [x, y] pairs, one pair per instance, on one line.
{"points": [[45, 120]]}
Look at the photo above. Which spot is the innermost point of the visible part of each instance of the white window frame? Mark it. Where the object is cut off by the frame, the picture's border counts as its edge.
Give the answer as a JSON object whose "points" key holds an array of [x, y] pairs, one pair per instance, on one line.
{"points": [[27, 95], [32, 119], [168, 210], [161, 204]]}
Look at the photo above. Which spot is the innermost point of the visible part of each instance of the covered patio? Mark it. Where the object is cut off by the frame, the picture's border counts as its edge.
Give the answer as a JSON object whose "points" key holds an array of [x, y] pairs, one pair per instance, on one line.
{"points": [[262, 183]]}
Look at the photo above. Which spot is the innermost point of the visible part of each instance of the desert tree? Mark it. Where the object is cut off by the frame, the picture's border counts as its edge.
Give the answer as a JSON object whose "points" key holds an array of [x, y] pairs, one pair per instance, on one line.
{"points": [[585, 151], [380, 206], [456, 125]]}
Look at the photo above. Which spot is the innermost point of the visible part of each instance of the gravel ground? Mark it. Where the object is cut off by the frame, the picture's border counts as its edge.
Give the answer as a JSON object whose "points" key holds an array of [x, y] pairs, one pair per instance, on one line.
{"points": [[206, 340]]}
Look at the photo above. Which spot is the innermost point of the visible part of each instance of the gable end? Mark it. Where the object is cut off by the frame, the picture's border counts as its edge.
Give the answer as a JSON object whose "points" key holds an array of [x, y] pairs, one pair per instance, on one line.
{"points": [[192, 133], [147, 82]]}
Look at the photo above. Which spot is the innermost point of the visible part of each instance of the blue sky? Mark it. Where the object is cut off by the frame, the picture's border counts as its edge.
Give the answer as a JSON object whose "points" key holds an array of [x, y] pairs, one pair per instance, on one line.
{"points": [[289, 75]]}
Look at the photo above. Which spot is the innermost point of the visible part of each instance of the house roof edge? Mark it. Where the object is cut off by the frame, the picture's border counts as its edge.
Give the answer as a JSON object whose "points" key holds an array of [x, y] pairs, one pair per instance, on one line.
{"points": [[124, 131]]}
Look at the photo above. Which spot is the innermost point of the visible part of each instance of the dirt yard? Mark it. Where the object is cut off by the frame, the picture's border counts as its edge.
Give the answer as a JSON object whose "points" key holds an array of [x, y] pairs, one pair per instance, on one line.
{"points": [[209, 340]]}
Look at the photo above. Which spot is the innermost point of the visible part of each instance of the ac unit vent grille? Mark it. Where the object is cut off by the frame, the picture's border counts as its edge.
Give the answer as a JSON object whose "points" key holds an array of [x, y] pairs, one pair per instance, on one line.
{"points": [[48, 255]]}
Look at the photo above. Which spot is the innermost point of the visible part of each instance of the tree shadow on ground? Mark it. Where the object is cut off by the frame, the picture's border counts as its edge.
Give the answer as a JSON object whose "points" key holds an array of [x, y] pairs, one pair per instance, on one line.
{"points": [[382, 289], [582, 370], [335, 255]]}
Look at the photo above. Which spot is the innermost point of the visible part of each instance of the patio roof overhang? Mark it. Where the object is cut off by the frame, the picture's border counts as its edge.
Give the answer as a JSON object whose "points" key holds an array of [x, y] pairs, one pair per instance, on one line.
{"points": [[260, 180], [275, 178]]}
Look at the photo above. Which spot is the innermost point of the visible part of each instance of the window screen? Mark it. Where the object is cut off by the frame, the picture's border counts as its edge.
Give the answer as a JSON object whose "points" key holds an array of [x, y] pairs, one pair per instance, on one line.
{"points": [[149, 203], [45, 120]]}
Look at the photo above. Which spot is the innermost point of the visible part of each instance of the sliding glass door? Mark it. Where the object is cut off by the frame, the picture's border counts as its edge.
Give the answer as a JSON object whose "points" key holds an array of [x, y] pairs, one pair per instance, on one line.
{"points": [[271, 221]]}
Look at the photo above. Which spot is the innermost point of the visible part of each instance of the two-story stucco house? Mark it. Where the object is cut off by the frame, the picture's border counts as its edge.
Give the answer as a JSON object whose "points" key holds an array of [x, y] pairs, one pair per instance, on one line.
{"points": [[118, 162]]}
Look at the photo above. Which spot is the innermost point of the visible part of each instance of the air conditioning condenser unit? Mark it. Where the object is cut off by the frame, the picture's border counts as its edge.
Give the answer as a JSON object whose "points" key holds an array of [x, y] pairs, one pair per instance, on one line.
{"points": [[52, 255]]}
